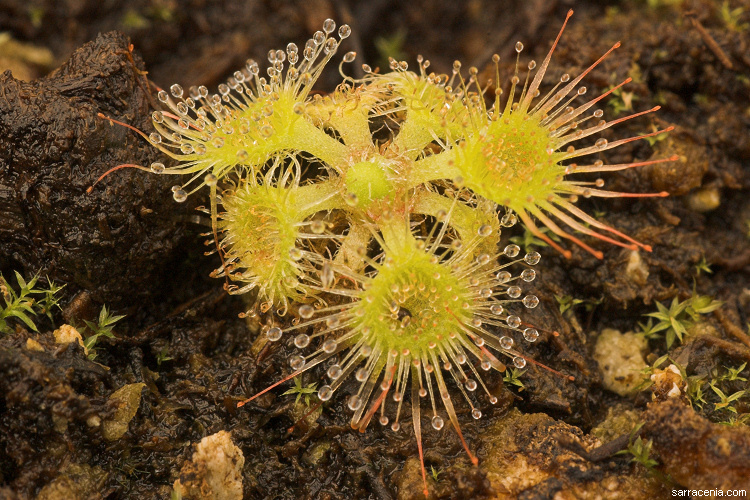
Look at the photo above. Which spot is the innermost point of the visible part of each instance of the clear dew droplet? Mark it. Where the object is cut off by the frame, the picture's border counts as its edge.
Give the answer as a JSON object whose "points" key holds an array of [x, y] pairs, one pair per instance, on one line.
{"points": [[395, 426], [306, 311], [530, 334], [528, 275], [496, 309], [354, 402], [349, 57], [157, 167], [383, 420], [509, 220], [297, 362], [361, 375], [485, 230], [503, 276], [344, 31], [179, 195], [329, 346], [437, 423], [273, 334], [154, 138], [514, 292], [302, 340], [267, 130], [176, 90], [317, 226], [532, 258], [334, 372], [330, 46], [295, 254], [471, 385], [601, 142], [511, 250], [531, 301], [506, 342], [513, 321], [476, 413], [333, 321], [519, 362], [326, 275], [210, 180], [325, 393], [519, 46]]}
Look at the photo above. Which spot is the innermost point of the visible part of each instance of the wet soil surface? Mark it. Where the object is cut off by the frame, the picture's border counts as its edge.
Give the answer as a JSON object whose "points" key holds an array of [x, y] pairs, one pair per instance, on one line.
{"points": [[126, 244]]}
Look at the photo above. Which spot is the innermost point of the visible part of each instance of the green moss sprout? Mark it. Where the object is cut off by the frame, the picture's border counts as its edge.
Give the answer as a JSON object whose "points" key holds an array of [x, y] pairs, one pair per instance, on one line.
{"points": [[640, 450], [679, 317], [302, 391], [101, 328], [28, 302]]}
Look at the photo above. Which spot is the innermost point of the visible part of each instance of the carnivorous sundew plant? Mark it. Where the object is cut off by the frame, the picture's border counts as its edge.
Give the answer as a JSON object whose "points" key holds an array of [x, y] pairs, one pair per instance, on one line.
{"points": [[373, 214]]}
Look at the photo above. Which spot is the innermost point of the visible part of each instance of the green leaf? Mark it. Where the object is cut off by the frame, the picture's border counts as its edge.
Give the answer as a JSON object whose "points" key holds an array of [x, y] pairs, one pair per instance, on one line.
{"points": [[23, 317], [734, 373], [301, 391], [704, 305], [670, 338], [21, 282]]}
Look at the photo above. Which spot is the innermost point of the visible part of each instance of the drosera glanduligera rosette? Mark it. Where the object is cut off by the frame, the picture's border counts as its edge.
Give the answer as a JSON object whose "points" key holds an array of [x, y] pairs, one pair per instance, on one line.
{"points": [[372, 215]]}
